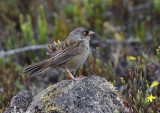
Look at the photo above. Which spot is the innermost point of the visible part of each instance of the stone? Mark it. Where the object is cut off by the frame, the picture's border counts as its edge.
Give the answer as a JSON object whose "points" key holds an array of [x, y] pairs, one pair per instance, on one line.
{"points": [[92, 94]]}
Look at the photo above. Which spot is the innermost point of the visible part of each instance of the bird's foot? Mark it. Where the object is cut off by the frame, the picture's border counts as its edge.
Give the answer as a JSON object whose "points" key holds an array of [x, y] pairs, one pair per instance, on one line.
{"points": [[71, 76], [79, 78]]}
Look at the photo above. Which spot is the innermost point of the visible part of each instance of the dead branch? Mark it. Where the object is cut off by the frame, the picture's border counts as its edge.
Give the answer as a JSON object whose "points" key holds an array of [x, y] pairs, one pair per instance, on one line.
{"points": [[19, 50]]}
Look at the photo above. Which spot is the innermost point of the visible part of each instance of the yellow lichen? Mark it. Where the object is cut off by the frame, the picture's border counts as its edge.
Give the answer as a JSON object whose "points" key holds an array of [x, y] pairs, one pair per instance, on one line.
{"points": [[51, 93]]}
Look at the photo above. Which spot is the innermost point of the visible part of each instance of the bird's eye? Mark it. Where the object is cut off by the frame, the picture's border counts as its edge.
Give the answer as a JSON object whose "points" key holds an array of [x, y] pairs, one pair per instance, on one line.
{"points": [[84, 32]]}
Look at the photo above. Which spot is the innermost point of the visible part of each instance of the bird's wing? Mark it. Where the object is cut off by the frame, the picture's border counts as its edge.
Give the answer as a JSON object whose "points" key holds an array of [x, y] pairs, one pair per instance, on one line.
{"points": [[68, 50]]}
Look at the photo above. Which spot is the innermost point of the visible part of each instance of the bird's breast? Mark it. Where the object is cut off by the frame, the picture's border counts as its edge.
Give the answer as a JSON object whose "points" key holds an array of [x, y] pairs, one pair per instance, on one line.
{"points": [[77, 60]]}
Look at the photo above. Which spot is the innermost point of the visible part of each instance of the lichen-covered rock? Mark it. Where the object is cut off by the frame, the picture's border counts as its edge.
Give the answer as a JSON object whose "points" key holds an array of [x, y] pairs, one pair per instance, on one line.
{"points": [[92, 94], [20, 102]]}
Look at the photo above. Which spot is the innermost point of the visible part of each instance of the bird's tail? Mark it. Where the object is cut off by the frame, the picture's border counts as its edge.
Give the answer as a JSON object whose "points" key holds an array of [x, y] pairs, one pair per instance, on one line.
{"points": [[37, 68]]}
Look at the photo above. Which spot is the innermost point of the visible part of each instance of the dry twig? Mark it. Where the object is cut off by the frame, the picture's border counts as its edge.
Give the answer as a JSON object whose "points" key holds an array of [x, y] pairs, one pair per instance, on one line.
{"points": [[19, 50]]}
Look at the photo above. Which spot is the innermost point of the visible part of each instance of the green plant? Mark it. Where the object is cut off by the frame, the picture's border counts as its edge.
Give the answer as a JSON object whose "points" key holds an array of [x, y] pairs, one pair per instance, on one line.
{"points": [[140, 32], [11, 83], [27, 31], [156, 4], [137, 95], [42, 26], [95, 66], [60, 30], [109, 72], [2, 62]]}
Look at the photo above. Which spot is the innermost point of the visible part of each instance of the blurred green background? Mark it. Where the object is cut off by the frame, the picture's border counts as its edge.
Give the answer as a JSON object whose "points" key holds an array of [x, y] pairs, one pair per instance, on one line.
{"points": [[127, 35]]}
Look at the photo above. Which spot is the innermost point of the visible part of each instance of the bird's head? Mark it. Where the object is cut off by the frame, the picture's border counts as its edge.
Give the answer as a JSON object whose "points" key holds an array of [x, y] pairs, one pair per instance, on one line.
{"points": [[81, 33]]}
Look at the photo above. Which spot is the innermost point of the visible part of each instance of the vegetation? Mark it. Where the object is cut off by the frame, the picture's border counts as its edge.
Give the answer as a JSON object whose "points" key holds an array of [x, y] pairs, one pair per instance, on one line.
{"points": [[126, 47]]}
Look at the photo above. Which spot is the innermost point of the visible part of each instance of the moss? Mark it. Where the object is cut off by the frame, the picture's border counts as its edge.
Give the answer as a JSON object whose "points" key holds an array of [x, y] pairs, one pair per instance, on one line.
{"points": [[46, 97], [51, 93], [51, 108]]}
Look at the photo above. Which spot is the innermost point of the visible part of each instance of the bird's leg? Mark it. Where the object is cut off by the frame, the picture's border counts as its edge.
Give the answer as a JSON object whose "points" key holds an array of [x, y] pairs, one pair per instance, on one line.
{"points": [[74, 74], [71, 76]]}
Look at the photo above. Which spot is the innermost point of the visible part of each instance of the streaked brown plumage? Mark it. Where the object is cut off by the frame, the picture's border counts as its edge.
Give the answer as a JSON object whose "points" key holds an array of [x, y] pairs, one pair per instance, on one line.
{"points": [[67, 56]]}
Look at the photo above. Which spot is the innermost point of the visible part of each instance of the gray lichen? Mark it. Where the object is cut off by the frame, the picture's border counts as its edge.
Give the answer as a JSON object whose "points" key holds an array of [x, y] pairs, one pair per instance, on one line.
{"points": [[20, 102], [92, 94]]}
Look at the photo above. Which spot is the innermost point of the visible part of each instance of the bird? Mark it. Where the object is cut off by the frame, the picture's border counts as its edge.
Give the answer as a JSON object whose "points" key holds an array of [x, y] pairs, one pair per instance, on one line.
{"points": [[66, 56]]}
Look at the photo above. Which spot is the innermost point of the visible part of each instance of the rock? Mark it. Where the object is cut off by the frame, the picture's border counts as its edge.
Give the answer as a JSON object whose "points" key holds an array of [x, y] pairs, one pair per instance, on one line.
{"points": [[20, 102], [92, 94]]}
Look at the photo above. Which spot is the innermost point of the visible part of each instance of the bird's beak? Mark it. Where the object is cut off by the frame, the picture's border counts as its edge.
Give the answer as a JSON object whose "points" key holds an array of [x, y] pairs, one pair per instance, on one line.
{"points": [[91, 32]]}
